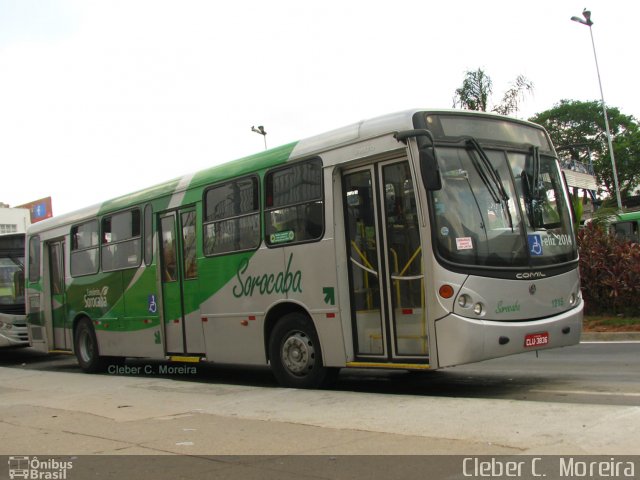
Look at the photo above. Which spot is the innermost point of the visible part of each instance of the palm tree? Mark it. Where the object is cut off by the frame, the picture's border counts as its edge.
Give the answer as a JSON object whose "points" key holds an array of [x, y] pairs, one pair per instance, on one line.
{"points": [[477, 88], [474, 92], [514, 95]]}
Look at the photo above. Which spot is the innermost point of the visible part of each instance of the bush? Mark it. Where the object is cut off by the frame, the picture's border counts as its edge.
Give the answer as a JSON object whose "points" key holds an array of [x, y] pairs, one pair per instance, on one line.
{"points": [[609, 271]]}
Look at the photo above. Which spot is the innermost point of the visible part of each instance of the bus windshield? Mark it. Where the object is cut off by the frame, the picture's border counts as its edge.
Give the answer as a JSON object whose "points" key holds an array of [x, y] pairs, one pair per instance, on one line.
{"points": [[501, 206], [11, 283]]}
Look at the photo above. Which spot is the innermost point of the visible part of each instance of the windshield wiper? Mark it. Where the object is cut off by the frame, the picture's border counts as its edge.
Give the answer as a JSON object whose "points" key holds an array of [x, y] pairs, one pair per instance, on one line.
{"points": [[531, 177], [16, 259], [536, 170], [490, 177]]}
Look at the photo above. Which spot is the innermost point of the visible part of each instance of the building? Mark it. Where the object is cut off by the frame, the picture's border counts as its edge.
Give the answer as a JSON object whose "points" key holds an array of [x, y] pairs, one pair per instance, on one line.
{"points": [[14, 220]]}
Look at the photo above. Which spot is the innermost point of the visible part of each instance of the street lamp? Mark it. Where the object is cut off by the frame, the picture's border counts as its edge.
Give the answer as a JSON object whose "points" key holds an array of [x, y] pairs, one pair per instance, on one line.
{"points": [[587, 21], [260, 130]]}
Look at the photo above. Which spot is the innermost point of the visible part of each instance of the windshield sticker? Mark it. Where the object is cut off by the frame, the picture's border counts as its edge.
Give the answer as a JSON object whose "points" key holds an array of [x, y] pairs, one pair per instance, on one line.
{"points": [[464, 243], [444, 231], [554, 240], [535, 245]]}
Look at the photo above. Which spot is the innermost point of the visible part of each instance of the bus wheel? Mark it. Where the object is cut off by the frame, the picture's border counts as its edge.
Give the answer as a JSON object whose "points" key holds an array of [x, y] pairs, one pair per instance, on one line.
{"points": [[86, 347], [294, 351]]}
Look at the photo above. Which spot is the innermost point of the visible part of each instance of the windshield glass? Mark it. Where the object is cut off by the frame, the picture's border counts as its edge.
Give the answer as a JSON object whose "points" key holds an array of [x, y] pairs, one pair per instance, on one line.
{"points": [[11, 280], [500, 208]]}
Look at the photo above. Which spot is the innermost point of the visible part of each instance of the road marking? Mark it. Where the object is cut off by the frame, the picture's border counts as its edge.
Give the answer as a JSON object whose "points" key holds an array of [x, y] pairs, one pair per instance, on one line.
{"points": [[584, 392]]}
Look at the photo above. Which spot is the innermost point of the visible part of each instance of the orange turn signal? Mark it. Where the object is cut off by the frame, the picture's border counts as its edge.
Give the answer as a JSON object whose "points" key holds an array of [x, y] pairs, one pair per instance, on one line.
{"points": [[446, 291]]}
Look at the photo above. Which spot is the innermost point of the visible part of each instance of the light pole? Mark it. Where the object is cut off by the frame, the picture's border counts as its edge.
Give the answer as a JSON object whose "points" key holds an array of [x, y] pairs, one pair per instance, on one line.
{"points": [[260, 130], [587, 21]]}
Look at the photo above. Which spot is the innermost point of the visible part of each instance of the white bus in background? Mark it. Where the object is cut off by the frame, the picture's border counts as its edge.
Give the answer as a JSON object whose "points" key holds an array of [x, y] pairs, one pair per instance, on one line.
{"points": [[13, 322]]}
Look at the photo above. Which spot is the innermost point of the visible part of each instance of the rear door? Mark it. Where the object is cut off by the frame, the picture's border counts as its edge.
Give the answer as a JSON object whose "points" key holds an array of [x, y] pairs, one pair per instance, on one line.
{"points": [[180, 282], [61, 333]]}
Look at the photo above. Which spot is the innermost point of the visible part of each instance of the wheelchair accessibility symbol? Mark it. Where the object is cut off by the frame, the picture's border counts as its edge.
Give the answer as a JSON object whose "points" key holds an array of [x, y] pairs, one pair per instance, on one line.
{"points": [[535, 245], [153, 306]]}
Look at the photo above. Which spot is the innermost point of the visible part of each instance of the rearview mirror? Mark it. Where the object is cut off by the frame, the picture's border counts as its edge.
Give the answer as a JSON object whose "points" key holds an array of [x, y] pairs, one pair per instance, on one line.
{"points": [[429, 168]]}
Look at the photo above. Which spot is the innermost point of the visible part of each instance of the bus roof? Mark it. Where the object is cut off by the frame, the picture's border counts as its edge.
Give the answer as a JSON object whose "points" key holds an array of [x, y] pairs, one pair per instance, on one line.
{"points": [[629, 216]]}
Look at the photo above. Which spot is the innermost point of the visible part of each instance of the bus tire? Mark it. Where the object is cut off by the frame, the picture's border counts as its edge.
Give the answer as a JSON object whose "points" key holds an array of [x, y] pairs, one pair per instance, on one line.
{"points": [[295, 355], [85, 345]]}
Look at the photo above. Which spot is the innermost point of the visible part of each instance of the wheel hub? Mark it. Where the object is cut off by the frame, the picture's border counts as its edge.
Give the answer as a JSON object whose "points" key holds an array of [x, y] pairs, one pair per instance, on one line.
{"points": [[86, 348], [298, 354]]}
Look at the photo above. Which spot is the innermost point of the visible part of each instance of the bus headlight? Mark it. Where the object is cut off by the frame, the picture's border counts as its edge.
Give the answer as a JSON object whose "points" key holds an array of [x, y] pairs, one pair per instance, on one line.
{"points": [[573, 299], [464, 300], [478, 308]]}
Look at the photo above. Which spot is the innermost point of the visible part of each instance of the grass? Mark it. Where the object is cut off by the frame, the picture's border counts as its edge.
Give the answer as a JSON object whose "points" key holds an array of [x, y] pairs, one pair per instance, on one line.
{"points": [[610, 323]]}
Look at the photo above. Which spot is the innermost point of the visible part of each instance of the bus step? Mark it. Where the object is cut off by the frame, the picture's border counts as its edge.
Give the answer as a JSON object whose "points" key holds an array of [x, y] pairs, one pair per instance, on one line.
{"points": [[184, 359]]}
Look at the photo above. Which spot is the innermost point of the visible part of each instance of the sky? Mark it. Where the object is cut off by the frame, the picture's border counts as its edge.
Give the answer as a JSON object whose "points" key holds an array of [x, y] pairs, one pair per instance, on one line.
{"points": [[103, 98]]}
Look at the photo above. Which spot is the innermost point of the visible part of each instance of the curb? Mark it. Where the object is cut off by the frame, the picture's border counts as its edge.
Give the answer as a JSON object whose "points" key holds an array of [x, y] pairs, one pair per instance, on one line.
{"points": [[610, 337]]}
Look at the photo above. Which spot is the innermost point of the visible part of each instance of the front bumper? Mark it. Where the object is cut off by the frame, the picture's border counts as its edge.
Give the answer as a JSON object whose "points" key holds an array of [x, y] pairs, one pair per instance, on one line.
{"points": [[13, 331], [462, 340]]}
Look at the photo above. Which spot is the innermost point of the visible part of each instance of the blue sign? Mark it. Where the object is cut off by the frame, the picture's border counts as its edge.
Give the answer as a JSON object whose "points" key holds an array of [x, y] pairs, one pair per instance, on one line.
{"points": [[535, 245], [40, 210]]}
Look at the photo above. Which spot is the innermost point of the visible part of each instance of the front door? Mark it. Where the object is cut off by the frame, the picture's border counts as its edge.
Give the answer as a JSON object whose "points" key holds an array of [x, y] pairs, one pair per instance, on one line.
{"points": [[180, 284], [386, 277], [61, 337]]}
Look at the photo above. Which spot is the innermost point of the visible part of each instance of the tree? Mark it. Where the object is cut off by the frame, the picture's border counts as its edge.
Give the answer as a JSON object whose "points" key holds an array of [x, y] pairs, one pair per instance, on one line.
{"points": [[477, 88], [513, 96], [475, 91], [573, 122]]}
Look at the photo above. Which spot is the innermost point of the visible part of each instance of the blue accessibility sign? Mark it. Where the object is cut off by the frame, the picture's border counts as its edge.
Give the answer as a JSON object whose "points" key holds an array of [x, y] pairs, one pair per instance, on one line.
{"points": [[535, 245]]}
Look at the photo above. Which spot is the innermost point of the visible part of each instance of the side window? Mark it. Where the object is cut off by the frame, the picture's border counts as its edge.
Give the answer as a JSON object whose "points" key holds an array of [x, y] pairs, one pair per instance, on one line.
{"points": [[189, 255], [84, 249], [625, 230], [121, 240], [294, 209], [56, 260], [148, 235], [34, 259], [232, 217], [168, 249]]}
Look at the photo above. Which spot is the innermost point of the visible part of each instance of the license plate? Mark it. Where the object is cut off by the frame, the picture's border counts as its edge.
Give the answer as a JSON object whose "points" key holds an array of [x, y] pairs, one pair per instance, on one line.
{"points": [[536, 339]]}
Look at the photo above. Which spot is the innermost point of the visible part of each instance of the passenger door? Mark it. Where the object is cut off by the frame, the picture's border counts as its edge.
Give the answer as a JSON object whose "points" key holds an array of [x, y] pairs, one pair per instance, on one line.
{"points": [[61, 334], [386, 277], [180, 284]]}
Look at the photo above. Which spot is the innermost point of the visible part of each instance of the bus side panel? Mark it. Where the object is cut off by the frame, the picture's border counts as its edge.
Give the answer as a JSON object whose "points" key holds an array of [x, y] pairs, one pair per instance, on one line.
{"points": [[38, 338], [233, 317], [140, 326], [315, 265], [99, 298], [126, 313]]}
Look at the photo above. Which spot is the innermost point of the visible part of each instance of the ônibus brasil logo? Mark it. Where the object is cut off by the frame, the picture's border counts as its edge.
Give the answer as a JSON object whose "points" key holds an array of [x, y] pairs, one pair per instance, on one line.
{"points": [[35, 469]]}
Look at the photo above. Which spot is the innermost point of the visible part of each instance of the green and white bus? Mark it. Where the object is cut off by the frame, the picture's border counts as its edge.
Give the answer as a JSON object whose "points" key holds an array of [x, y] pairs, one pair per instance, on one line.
{"points": [[416, 240], [626, 226]]}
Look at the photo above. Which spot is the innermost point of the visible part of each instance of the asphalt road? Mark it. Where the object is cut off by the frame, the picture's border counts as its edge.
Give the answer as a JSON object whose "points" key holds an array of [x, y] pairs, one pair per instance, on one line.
{"points": [[601, 373]]}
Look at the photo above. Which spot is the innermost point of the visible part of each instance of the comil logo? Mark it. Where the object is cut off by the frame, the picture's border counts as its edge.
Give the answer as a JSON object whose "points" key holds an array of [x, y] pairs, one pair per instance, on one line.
{"points": [[35, 469]]}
